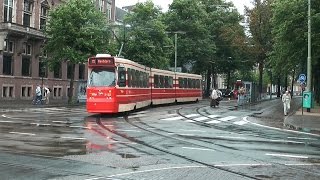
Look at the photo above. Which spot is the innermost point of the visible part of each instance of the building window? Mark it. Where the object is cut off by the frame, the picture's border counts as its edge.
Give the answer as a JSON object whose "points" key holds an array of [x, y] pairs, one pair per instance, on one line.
{"points": [[57, 92], [43, 69], [101, 5], [81, 71], [109, 11], [7, 91], [26, 66], [8, 46], [27, 12], [8, 9], [27, 49], [26, 91], [57, 71], [7, 65], [44, 15]]}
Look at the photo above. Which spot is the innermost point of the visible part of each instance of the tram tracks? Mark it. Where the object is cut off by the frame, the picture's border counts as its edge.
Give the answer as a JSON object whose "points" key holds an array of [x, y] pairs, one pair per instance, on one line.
{"points": [[186, 139], [141, 142]]}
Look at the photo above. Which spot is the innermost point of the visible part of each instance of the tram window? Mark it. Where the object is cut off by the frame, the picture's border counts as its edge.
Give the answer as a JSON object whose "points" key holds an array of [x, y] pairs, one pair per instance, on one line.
{"points": [[166, 82], [129, 78], [190, 83], [181, 83], [133, 83], [137, 78], [140, 79], [185, 82], [121, 77], [197, 84], [156, 81], [170, 82], [147, 80], [161, 85]]}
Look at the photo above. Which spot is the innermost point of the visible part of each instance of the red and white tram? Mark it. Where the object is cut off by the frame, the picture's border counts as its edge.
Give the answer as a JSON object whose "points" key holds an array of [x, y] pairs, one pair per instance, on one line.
{"points": [[118, 85]]}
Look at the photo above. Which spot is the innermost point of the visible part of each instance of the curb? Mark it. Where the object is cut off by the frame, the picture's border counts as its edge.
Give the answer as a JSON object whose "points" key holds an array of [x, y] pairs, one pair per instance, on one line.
{"points": [[297, 128]]}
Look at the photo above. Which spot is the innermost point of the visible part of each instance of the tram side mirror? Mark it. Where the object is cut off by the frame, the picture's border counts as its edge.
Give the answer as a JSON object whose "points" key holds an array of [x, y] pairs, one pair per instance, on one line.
{"points": [[121, 77]]}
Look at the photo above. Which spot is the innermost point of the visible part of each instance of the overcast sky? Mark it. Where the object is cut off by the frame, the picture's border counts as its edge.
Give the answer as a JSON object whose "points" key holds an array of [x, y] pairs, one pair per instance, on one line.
{"points": [[164, 3]]}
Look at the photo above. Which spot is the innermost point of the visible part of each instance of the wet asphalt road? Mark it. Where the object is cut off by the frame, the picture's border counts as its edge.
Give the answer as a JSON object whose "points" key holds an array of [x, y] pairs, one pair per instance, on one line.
{"points": [[185, 141]]}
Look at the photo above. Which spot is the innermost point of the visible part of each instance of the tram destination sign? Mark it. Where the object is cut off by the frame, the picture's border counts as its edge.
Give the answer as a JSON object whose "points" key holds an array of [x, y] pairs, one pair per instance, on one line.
{"points": [[101, 61]]}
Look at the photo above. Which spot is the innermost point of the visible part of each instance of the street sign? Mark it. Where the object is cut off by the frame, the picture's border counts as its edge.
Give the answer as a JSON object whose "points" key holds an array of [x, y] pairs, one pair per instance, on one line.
{"points": [[302, 78]]}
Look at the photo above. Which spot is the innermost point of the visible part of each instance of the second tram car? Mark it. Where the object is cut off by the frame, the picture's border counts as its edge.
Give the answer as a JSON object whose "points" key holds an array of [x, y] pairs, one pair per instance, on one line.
{"points": [[118, 85]]}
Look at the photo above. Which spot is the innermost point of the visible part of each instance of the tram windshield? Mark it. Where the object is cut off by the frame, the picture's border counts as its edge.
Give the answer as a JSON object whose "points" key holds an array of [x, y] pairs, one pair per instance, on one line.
{"points": [[102, 77]]}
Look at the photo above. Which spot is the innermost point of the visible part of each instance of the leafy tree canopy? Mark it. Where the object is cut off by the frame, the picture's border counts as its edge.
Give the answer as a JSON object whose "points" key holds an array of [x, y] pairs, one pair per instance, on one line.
{"points": [[75, 31], [148, 41]]}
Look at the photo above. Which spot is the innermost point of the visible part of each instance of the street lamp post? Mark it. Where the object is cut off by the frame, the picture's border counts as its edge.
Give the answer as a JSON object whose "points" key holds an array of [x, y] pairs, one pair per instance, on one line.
{"points": [[309, 51], [176, 47]]}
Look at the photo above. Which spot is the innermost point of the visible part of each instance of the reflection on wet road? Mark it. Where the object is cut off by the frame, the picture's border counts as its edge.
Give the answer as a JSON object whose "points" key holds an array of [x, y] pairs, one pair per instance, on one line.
{"points": [[206, 142]]}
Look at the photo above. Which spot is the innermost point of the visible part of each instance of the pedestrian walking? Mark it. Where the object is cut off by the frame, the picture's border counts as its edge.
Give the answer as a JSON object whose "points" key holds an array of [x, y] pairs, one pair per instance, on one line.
{"points": [[47, 94], [215, 97], [38, 95], [286, 99]]}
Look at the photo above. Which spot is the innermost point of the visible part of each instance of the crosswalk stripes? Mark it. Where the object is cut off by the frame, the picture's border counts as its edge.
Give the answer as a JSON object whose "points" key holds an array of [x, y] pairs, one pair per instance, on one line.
{"points": [[240, 122], [213, 122], [227, 118], [210, 119], [57, 110]]}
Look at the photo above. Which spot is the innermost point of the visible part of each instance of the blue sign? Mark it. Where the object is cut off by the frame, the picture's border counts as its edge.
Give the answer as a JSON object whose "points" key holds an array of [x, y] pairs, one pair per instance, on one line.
{"points": [[302, 78]]}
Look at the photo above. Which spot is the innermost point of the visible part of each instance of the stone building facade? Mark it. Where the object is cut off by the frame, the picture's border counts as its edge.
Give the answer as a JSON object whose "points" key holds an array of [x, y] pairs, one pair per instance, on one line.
{"points": [[21, 55]]}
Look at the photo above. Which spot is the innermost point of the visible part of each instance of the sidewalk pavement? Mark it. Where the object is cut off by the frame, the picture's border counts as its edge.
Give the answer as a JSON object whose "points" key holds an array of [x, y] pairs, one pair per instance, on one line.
{"points": [[307, 122], [22, 104]]}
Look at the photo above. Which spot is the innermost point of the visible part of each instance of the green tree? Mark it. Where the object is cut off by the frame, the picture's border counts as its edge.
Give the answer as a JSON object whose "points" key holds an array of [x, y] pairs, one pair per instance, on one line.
{"points": [[229, 38], [290, 22], [147, 41], [75, 31], [260, 29], [194, 46]]}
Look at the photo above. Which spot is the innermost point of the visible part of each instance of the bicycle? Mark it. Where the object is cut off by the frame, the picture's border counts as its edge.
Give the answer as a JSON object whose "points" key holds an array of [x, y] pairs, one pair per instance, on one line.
{"points": [[38, 101]]}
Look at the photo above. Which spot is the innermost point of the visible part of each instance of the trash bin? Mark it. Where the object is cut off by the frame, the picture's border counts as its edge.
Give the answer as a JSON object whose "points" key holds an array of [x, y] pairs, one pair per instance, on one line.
{"points": [[307, 99]]}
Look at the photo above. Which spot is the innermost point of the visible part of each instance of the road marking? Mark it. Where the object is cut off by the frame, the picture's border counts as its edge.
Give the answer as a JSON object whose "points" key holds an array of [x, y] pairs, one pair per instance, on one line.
{"points": [[201, 118], [20, 133], [201, 149], [192, 115], [128, 130], [6, 121], [278, 129], [138, 115], [62, 122], [190, 121], [227, 118], [287, 155], [76, 138], [302, 138], [303, 164], [191, 130], [230, 165], [3, 115], [187, 167], [173, 118], [240, 123], [214, 116], [231, 137], [185, 134], [79, 127], [214, 122], [285, 141]]}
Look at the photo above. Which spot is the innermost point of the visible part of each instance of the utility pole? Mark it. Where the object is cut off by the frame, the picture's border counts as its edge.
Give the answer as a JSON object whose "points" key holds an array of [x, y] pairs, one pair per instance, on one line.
{"points": [[309, 77]]}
